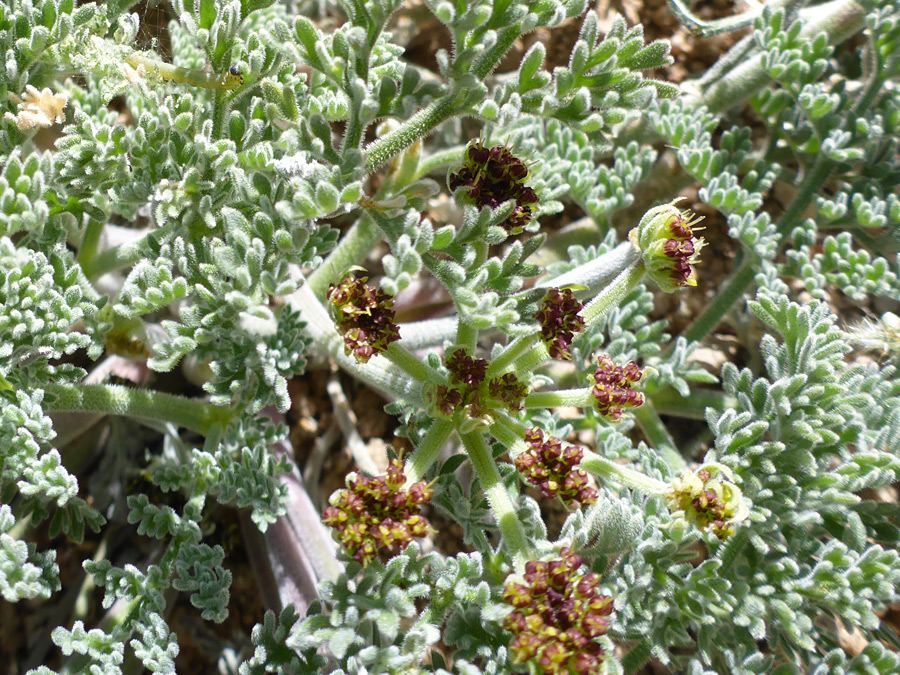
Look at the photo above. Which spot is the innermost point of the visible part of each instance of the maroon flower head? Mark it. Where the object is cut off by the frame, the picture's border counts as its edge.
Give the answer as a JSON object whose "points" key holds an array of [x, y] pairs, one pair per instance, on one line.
{"points": [[557, 615], [494, 176], [464, 369], [376, 516], [509, 390], [560, 319], [612, 389], [554, 469], [364, 316]]}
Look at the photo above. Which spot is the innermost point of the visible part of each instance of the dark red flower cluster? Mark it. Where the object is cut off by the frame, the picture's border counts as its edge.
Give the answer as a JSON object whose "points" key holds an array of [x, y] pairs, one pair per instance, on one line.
{"points": [[613, 387], [508, 389], [364, 316], [559, 320], [376, 515], [494, 176], [468, 387], [680, 248], [669, 248], [557, 615], [554, 469]]}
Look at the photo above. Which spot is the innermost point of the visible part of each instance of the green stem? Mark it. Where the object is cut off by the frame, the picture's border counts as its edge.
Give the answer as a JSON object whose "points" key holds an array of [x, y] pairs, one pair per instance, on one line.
{"points": [[509, 432], [743, 277], [439, 160], [502, 506], [728, 294], [220, 113], [838, 19], [614, 294], [622, 474], [810, 187], [578, 398], [466, 334], [411, 364], [353, 248], [113, 399], [380, 151], [669, 402], [512, 353], [659, 436], [427, 453], [124, 255], [89, 244]]}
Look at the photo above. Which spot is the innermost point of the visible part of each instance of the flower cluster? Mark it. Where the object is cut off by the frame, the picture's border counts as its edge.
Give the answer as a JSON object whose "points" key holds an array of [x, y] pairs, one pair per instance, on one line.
{"points": [[557, 615], [613, 387], [468, 388], [494, 176], [666, 238], [376, 515], [554, 469], [708, 499], [559, 320], [364, 316]]}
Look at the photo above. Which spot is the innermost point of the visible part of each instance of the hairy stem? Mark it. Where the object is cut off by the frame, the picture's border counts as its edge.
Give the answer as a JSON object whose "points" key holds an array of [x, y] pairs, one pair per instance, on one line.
{"points": [[502, 506], [838, 19], [353, 247], [622, 474], [579, 398], [427, 453], [655, 430], [380, 151], [743, 277], [113, 399], [667, 401]]}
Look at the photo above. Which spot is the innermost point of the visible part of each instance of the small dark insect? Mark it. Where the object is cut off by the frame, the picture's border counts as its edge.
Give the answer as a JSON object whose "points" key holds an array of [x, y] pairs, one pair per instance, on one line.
{"points": [[234, 78]]}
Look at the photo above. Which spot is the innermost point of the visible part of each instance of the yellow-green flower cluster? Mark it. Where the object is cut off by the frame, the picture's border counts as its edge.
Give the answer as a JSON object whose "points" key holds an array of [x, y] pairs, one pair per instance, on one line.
{"points": [[709, 499], [558, 613], [377, 515], [668, 246]]}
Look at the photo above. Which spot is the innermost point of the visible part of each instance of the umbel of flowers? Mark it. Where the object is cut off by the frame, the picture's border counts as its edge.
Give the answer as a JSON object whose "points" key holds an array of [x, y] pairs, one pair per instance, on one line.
{"points": [[669, 249], [709, 499], [364, 316], [559, 321], [554, 469], [613, 387], [468, 389], [376, 516], [494, 176], [557, 614]]}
